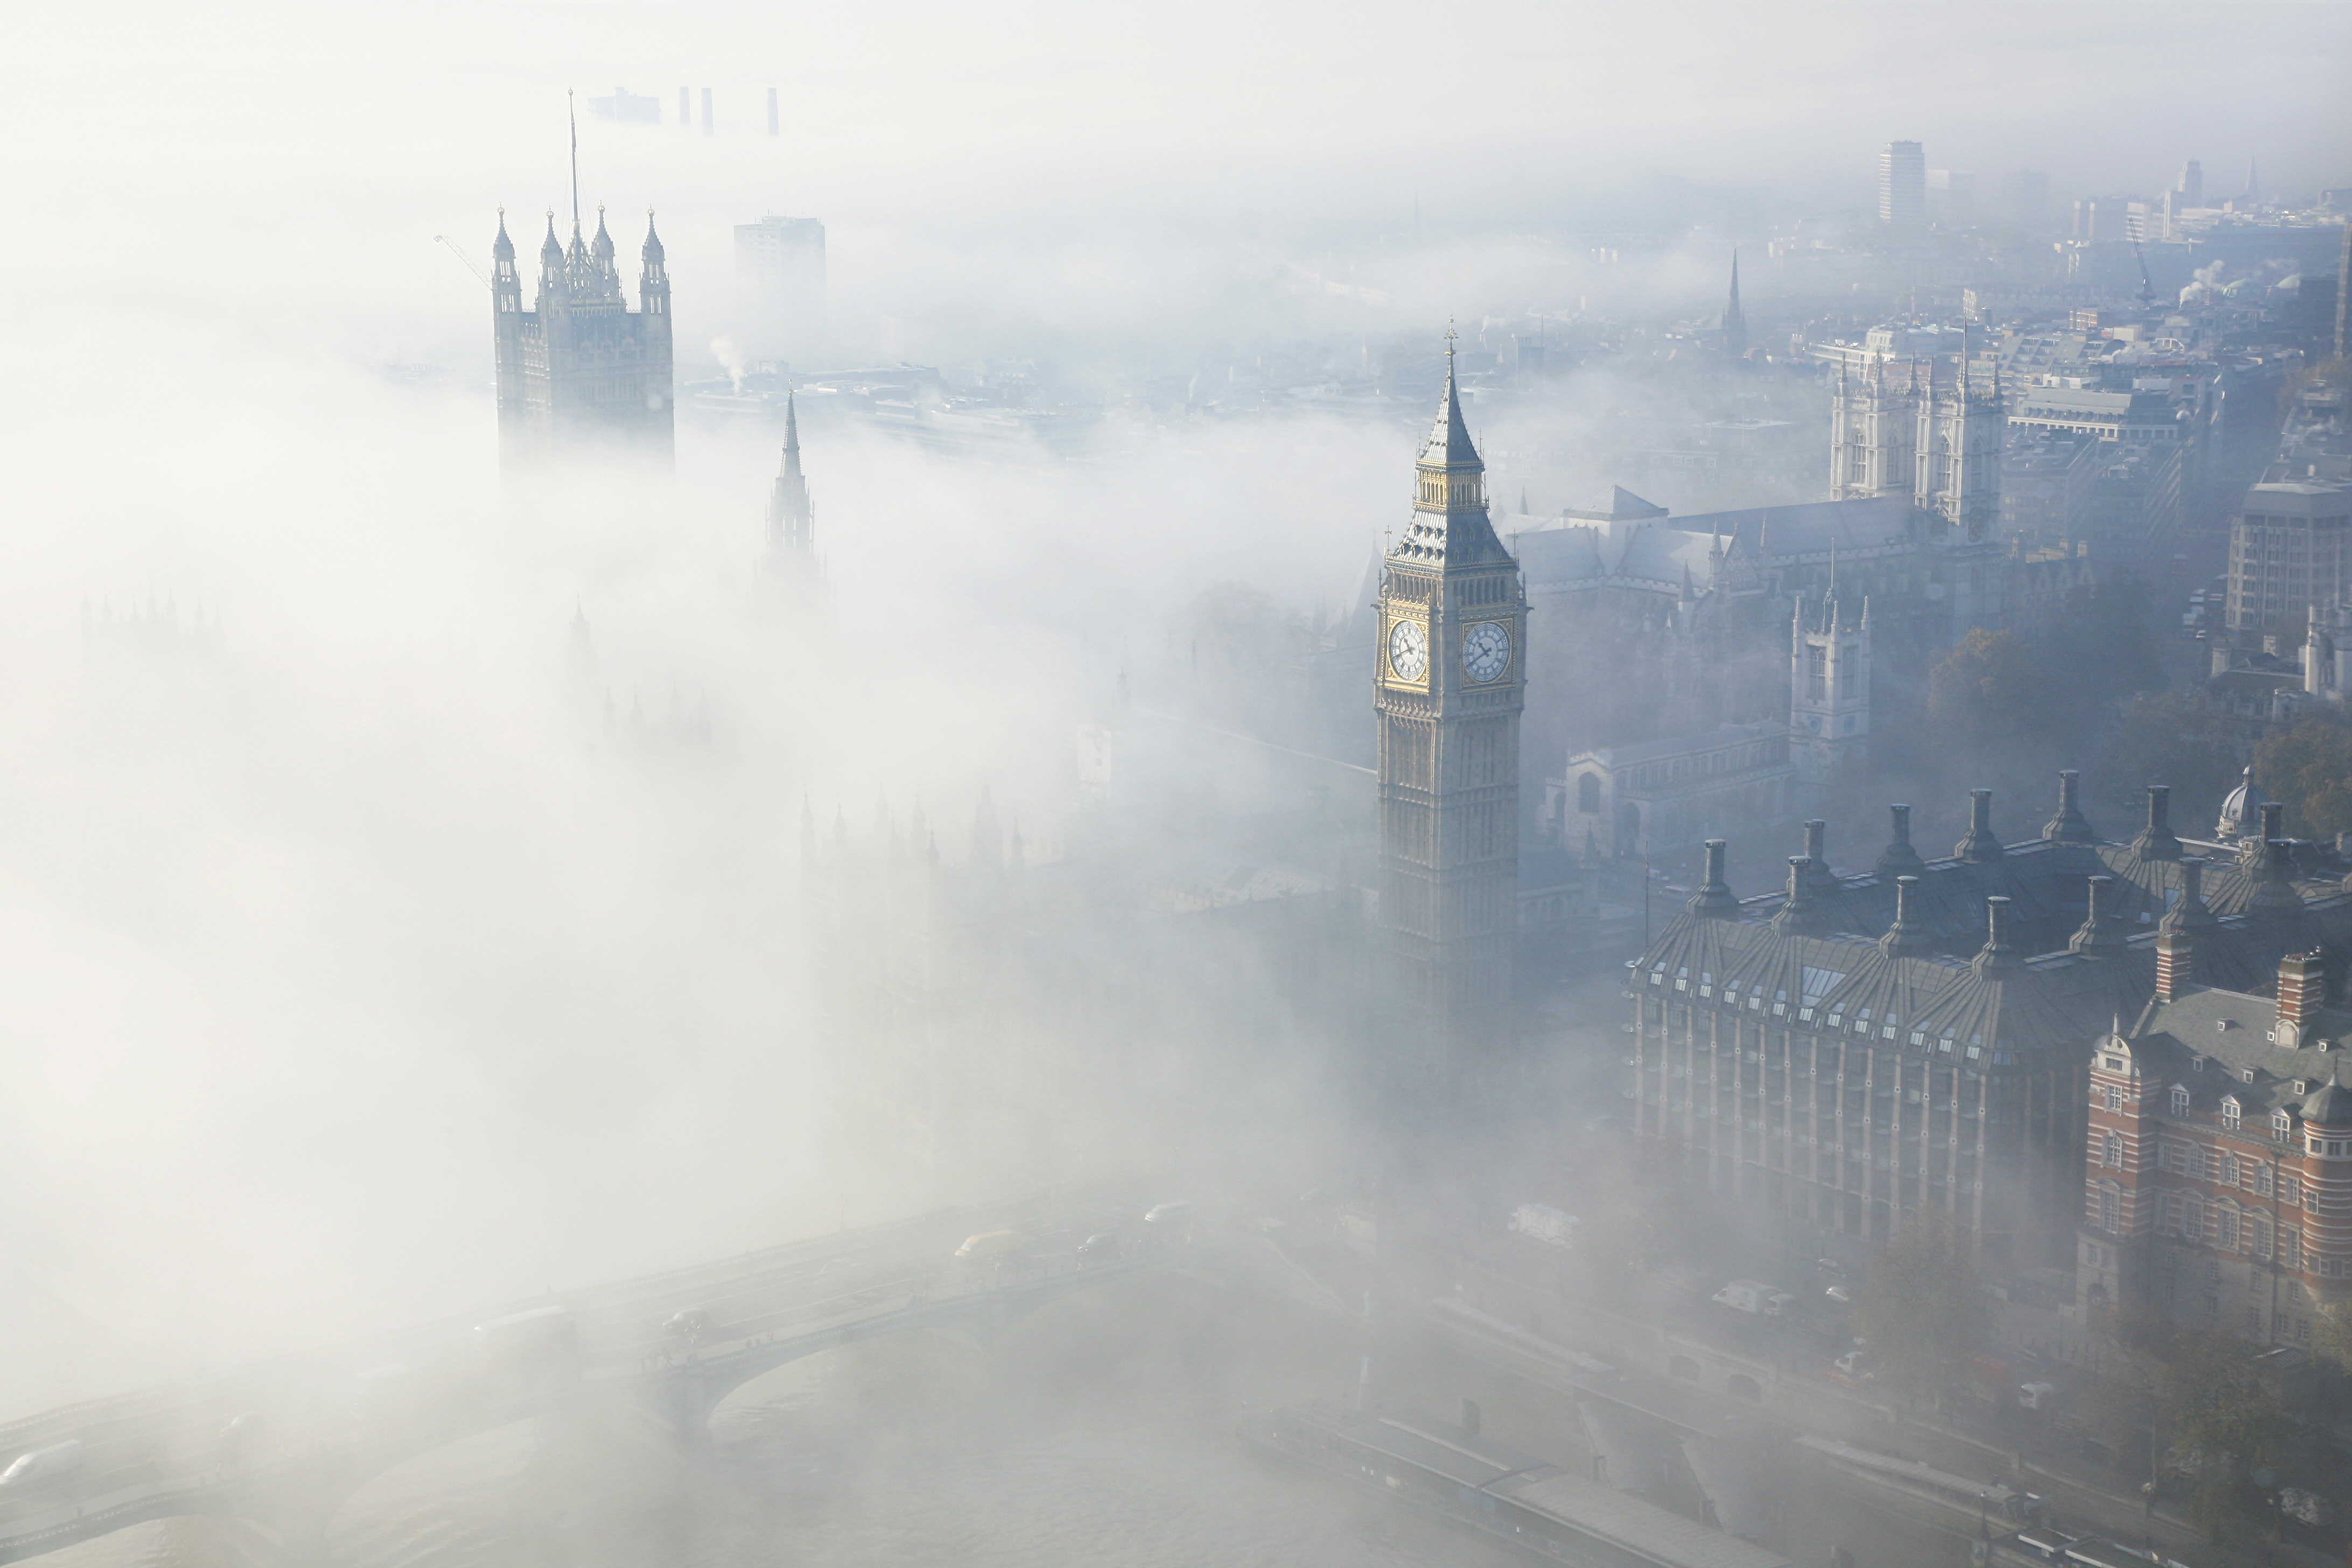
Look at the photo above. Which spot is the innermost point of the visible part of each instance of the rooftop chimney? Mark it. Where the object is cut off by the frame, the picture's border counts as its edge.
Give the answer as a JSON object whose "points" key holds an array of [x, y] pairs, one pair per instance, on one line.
{"points": [[2069, 827], [2189, 914], [1979, 847], [1898, 859], [2274, 875], [2174, 964], [1903, 937], [2102, 935], [2273, 820], [2156, 841], [1820, 881], [1797, 917], [1996, 959], [1714, 898], [2302, 989]]}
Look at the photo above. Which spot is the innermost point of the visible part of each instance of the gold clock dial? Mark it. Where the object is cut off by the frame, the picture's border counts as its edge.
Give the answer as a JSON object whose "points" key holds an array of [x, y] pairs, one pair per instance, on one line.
{"points": [[1408, 650]]}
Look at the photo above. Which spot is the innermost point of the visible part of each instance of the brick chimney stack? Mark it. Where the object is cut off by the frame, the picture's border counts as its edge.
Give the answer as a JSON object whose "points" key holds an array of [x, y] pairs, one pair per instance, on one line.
{"points": [[2302, 989], [2175, 962]]}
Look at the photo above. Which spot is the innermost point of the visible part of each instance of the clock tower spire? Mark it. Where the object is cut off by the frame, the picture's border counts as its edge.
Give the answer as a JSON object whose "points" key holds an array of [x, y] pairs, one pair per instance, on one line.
{"points": [[1447, 690]]}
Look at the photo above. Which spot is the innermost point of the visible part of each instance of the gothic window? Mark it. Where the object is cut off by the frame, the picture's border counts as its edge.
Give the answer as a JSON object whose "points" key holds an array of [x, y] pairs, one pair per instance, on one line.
{"points": [[1817, 673]]}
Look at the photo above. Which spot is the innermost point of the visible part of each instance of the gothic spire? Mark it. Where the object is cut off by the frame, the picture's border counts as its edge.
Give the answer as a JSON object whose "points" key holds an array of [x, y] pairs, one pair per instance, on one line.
{"points": [[792, 469], [502, 248], [1450, 524], [1449, 444]]}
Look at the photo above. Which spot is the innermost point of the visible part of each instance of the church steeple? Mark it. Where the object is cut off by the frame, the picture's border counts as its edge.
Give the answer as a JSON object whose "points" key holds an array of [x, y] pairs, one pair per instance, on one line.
{"points": [[791, 520]]}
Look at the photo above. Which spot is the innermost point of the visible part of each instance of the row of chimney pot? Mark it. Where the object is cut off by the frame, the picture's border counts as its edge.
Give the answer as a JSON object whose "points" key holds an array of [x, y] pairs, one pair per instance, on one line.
{"points": [[2301, 987]]}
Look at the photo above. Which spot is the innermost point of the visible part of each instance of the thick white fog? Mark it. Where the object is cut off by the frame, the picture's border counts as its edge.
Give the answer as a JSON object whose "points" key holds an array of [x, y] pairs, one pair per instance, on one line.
{"points": [[354, 971]]}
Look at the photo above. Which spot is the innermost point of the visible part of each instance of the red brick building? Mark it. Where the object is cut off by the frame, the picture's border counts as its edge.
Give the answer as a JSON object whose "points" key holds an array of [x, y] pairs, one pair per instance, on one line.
{"points": [[2218, 1163]]}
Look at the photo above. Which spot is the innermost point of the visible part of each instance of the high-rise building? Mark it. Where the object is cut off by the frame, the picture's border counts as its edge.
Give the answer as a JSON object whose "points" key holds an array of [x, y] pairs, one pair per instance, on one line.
{"points": [[1952, 197], [1735, 320], [1903, 186], [1448, 690], [2290, 552], [779, 308], [579, 372], [2025, 198], [626, 107], [2191, 185], [2344, 295]]}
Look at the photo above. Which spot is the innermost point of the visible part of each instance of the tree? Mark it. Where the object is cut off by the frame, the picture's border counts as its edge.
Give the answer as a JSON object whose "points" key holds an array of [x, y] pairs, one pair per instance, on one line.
{"points": [[1991, 690], [2100, 651], [2309, 767], [2184, 739], [2227, 1430], [2331, 1335], [1923, 1306]]}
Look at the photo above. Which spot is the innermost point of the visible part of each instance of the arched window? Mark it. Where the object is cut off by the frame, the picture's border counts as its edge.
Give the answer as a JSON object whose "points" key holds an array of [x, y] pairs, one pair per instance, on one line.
{"points": [[2228, 1227], [2179, 1099], [2111, 1151], [1588, 794]]}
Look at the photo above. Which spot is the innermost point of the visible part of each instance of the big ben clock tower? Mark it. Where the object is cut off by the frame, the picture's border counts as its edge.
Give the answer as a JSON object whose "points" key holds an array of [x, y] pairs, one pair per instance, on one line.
{"points": [[1450, 682]]}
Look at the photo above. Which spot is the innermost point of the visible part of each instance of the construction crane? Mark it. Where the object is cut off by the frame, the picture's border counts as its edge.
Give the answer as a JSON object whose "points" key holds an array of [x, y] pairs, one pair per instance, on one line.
{"points": [[483, 278], [2147, 284]]}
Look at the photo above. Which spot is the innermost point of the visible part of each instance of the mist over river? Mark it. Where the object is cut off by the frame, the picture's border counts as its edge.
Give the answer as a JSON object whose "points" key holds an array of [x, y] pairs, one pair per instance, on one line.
{"points": [[1100, 1431]]}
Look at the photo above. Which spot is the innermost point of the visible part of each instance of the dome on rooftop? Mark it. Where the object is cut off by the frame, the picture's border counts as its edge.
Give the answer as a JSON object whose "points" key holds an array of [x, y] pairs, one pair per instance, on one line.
{"points": [[2242, 811]]}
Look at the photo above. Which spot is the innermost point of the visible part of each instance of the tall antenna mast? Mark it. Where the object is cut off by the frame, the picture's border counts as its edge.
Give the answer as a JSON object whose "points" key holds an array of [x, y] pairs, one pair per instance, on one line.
{"points": [[572, 115]]}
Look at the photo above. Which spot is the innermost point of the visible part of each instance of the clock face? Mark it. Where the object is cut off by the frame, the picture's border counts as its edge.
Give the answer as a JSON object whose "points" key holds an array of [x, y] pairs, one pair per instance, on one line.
{"points": [[1487, 650], [1408, 650]]}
